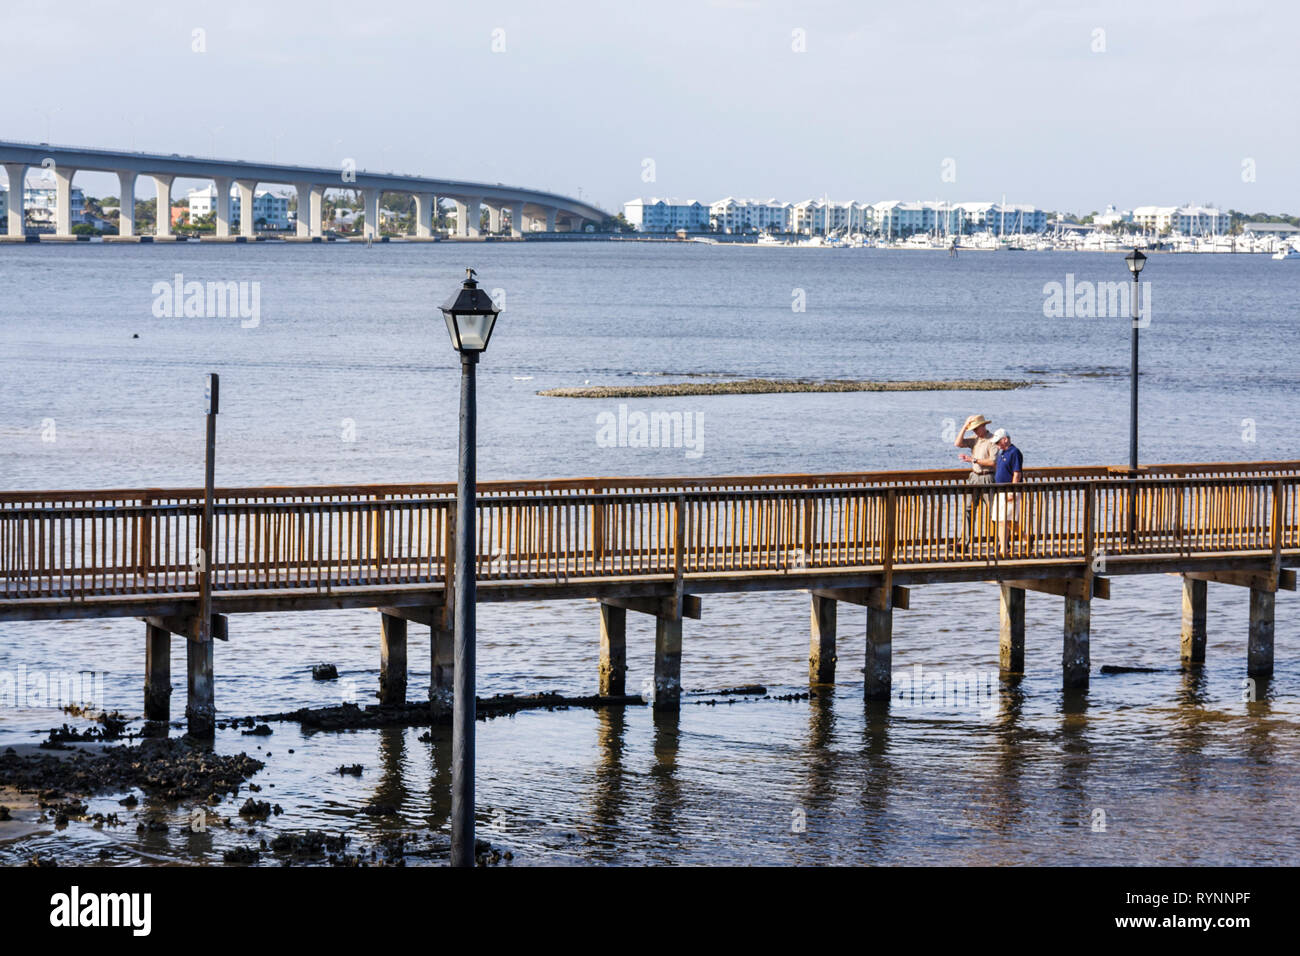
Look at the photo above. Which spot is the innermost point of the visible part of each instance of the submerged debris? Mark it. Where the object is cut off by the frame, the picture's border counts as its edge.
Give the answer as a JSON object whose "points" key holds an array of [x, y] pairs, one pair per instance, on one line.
{"points": [[324, 672]]}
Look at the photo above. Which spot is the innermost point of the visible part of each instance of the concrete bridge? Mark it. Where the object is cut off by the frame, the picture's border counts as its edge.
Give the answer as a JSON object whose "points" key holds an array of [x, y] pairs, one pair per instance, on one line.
{"points": [[526, 207]]}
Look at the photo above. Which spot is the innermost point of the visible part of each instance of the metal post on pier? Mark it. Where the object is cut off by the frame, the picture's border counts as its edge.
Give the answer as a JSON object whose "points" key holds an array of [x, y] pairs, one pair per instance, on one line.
{"points": [[470, 315], [1135, 261], [200, 710]]}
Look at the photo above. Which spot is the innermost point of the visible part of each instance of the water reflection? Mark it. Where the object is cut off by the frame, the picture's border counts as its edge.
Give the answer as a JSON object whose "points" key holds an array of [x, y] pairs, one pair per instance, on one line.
{"points": [[439, 792], [877, 774], [1076, 760], [1008, 801], [666, 788], [609, 799]]}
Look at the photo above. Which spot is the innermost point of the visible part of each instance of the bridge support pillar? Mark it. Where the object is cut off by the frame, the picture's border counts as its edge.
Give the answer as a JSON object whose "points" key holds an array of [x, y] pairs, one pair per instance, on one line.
{"points": [[392, 660], [304, 227], [17, 180], [1075, 660], [371, 197], [668, 662], [157, 672], [221, 206], [473, 218], [461, 210], [162, 226], [550, 219], [821, 645], [126, 202], [613, 650], [247, 216], [1011, 643], [315, 199], [63, 200], [424, 205], [494, 220], [1259, 651], [517, 219], [200, 709], [1193, 637], [880, 652]]}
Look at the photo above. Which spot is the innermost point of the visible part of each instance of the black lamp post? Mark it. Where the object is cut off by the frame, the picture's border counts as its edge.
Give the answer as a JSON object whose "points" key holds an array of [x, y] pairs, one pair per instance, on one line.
{"points": [[1135, 261], [470, 315]]}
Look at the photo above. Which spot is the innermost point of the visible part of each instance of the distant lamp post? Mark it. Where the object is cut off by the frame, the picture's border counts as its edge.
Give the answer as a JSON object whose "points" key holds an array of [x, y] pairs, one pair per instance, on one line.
{"points": [[1135, 261], [470, 315]]}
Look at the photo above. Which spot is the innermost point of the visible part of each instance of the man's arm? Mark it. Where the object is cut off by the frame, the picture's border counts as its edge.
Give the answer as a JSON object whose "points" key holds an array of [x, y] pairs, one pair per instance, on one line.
{"points": [[962, 441]]}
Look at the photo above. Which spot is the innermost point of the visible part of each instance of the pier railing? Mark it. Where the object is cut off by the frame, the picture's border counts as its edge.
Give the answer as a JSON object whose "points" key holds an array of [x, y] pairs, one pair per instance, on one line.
{"points": [[82, 544]]}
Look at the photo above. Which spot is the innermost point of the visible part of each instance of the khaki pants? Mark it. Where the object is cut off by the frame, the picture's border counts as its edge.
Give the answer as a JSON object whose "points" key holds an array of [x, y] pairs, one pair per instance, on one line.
{"points": [[979, 499]]}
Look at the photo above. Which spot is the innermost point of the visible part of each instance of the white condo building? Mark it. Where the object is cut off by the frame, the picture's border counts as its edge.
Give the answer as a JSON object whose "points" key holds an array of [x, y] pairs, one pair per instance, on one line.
{"points": [[39, 196], [750, 215], [266, 206], [1185, 220], [666, 215]]}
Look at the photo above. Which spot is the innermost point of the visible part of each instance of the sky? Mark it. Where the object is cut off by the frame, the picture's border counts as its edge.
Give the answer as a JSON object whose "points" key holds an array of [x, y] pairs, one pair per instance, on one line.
{"points": [[1068, 106]]}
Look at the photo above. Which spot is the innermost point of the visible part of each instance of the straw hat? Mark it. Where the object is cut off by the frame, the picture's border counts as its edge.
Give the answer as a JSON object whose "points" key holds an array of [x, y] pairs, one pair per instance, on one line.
{"points": [[980, 420]]}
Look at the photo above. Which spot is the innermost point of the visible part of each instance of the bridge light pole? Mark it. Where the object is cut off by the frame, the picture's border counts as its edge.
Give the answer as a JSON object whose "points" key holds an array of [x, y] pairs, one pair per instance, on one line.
{"points": [[1135, 261], [470, 315]]}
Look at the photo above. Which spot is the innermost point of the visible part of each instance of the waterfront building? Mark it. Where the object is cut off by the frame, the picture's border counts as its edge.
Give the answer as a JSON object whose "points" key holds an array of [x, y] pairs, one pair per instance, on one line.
{"points": [[1185, 220], [666, 215], [1112, 217], [268, 206], [733, 215], [39, 197]]}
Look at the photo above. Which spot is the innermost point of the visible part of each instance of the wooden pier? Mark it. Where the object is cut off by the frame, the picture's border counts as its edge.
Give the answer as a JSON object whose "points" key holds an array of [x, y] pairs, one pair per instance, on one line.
{"points": [[652, 546]]}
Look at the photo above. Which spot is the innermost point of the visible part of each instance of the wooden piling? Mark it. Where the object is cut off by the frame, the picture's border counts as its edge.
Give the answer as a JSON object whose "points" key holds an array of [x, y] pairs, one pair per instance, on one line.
{"points": [[392, 660], [1259, 652], [442, 651], [1075, 662], [668, 661], [157, 672], [613, 650], [1011, 643], [821, 648], [200, 708], [1193, 636], [879, 666]]}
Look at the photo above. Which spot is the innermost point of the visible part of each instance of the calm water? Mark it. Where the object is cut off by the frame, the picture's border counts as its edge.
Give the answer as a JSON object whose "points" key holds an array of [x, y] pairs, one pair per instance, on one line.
{"points": [[350, 345]]}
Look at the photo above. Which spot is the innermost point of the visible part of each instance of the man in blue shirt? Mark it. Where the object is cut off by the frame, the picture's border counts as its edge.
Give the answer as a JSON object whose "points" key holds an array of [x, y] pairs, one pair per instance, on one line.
{"points": [[1008, 470]]}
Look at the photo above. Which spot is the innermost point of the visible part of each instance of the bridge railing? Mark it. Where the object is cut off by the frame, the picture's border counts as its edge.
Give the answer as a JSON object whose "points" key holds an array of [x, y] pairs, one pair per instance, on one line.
{"points": [[88, 548]]}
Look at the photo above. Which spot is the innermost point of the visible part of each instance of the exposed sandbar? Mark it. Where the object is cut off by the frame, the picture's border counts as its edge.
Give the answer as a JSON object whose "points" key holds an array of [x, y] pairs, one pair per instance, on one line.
{"points": [[760, 386]]}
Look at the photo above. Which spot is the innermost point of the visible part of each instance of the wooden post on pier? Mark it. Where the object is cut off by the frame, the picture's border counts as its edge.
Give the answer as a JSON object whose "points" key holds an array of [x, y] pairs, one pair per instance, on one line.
{"points": [[1075, 659], [613, 650], [1259, 651], [1193, 636], [1011, 642], [668, 661], [392, 660], [157, 673], [880, 651], [821, 649]]}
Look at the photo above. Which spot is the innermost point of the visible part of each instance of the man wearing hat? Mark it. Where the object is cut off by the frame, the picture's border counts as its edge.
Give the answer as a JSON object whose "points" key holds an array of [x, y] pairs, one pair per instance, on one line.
{"points": [[983, 460]]}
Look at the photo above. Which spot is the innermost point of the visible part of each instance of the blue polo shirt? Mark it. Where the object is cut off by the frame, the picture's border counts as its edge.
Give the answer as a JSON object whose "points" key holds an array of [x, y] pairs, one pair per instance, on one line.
{"points": [[1009, 462]]}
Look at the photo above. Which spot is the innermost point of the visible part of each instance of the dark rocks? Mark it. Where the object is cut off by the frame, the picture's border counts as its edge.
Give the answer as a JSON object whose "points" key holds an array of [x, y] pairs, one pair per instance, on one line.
{"points": [[379, 810], [241, 856], [309, 843], [1119, 669], [351, 769], [255, 809], [324, 672], [4, 813], [173, 769], [130, 800], [261, 730]]}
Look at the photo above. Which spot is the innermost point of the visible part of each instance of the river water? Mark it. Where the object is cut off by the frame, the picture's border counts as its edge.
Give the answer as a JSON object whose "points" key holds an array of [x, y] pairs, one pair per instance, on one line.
{"points": [[344, 374]]}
